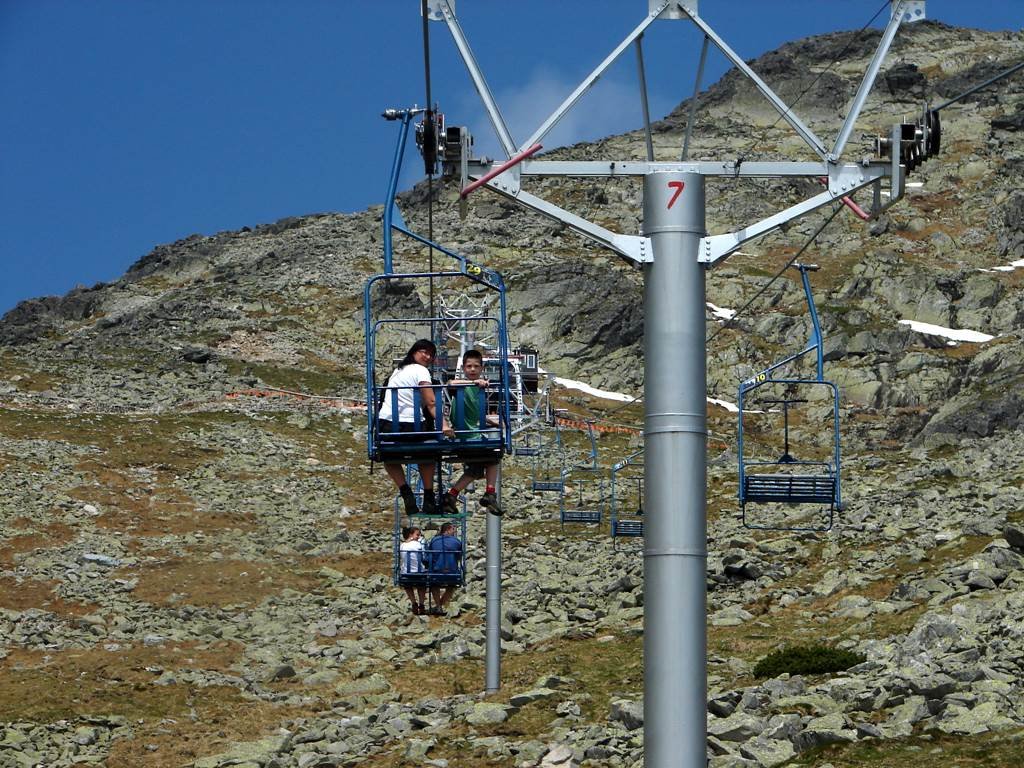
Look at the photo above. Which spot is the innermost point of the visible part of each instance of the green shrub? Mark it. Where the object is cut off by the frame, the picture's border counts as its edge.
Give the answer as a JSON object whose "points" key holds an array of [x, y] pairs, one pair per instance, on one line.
{"points": [[807, 660]]}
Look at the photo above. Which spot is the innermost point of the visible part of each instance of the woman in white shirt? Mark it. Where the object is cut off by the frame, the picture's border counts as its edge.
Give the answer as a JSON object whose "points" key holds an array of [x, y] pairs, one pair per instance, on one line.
{"points": [[412, 373], [411, 552]]}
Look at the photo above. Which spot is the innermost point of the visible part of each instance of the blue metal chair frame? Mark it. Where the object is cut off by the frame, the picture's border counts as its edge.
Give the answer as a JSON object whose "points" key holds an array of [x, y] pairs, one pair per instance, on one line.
{"points": [[628, 524], [529, 444], [545, 481], [432, 445], [582, 513], [814, 482], [428, 577]]}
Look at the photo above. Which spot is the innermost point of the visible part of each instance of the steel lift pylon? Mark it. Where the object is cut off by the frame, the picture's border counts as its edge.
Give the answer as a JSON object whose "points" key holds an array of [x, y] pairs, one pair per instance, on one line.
{"points": [[675, 251]]}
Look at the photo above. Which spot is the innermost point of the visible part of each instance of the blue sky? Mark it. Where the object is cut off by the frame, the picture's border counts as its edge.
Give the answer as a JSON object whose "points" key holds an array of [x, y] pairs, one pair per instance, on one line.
{"points": [[130, 123]]}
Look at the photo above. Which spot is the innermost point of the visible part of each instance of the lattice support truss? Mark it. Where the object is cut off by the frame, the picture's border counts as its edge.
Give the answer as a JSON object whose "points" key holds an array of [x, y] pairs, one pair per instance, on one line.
{"points": [[842, 178]]}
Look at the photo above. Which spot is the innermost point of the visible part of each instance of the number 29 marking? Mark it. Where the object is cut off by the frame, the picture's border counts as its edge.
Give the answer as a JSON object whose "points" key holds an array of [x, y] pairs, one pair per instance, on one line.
{"points": [[678, 187]]}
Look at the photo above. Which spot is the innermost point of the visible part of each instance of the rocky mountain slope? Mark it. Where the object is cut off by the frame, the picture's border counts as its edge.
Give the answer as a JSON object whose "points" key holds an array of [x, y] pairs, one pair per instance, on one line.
{"points": [[195, 565]]}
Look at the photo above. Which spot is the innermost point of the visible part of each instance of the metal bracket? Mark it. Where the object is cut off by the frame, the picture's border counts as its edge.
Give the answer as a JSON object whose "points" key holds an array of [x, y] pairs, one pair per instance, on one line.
{"points": [[635, 249], [843, 180], [435, 9], [911, 11], [677, 9]]}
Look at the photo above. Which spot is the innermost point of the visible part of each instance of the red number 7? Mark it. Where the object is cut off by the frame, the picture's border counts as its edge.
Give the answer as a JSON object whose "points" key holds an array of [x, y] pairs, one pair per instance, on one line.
{"points": [[678, 187]]}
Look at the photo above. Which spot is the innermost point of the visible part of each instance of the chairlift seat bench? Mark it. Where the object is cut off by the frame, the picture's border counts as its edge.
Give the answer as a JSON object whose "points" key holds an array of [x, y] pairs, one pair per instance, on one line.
{"points": [[587, 516], [427, 579], [628, 528], [795, 488], [475, 451], [549, 485]]}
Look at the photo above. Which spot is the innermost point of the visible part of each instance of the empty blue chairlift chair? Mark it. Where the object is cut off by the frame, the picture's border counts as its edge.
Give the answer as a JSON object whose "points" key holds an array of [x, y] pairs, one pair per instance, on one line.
{"points": [[526, 443], [549, 463], [790, 480], [626, 498], [584, 506]]}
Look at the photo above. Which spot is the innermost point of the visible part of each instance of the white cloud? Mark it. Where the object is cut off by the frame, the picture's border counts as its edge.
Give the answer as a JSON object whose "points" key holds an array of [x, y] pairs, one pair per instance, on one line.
{"points": [[611, 106]]}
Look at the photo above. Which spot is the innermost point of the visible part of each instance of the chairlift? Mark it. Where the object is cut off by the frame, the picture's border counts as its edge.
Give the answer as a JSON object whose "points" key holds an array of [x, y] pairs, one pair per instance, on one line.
{"points": [[429, 444], [790, 480], [582, 507], [526, 443], [626, 498], [446, 568], [549, 463]]}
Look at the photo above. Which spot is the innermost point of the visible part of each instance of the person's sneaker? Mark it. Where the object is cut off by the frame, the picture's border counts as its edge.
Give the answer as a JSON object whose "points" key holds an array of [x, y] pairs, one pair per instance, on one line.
{"points": [[429, 503], [450, 504], [490, 501], [409, 499]]}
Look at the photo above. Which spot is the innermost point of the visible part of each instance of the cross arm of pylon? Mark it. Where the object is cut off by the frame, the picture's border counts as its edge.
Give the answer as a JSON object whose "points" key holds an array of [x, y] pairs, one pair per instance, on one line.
{"points": [[843, 180]]}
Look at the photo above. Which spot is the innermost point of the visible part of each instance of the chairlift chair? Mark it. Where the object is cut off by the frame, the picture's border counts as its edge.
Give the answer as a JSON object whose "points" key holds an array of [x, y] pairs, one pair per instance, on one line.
{"points": [[626, 498], [527, 443], [549, 464], [444, 569], [790, 480], [579, 509], [429, 443]]}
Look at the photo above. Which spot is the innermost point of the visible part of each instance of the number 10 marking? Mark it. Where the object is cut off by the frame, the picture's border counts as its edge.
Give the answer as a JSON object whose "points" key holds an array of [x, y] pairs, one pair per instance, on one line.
{"points": [[678, 187]]}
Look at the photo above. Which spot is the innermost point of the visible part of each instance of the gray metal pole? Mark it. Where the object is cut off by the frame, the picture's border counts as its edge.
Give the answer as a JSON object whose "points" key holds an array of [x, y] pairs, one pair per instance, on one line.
{"points": [[492, 660], [675, 475], [643, 98]]}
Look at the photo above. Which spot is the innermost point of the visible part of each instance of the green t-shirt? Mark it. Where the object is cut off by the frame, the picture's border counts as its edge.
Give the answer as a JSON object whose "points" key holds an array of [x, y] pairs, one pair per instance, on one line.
{"points": [[471, 402]]}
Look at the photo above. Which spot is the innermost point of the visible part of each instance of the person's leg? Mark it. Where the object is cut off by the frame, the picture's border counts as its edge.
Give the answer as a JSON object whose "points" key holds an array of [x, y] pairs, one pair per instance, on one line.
{"points": [[397, 474], [412, 600], [460, 485], [490, 497], [423, 598], [429, 500], [443, 602], [427, 473], [450, 503]]}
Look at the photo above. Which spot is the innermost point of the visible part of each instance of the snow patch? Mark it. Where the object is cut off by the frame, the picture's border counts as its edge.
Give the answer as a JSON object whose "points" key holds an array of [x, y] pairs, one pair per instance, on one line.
{"points": [[719, 312], [602, 393], [954, 334], [730, 407], [1007, 267], [623, 397]]}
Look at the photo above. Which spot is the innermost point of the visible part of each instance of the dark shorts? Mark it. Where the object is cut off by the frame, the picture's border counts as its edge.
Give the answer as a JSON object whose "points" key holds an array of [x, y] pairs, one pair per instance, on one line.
{"points": [[407, 430], [476, 469]]}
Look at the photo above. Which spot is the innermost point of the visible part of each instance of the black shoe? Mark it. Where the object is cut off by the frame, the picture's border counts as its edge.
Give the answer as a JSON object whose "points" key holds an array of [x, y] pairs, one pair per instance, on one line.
{"points": [[409, 499], [450, 504], [429, 503], [490, 502]]}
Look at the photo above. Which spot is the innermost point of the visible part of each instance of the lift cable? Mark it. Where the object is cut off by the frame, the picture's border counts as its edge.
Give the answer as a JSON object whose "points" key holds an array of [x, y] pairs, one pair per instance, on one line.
{"points": [[728, 323], [978, 87], [849, 44], [429, 154]]}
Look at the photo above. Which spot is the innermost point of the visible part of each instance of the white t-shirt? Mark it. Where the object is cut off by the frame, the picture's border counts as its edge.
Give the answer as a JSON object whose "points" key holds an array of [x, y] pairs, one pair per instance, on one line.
{"points": [[405, 379], [411, 562]]}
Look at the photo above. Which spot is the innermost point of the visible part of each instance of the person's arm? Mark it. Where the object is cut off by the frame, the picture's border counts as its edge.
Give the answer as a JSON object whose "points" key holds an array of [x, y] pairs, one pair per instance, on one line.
{"points": [[429, 401]]}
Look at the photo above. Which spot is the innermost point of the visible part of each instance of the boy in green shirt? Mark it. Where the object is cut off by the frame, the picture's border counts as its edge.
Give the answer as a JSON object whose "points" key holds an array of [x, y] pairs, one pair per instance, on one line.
{"points": [[473, 367]]}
